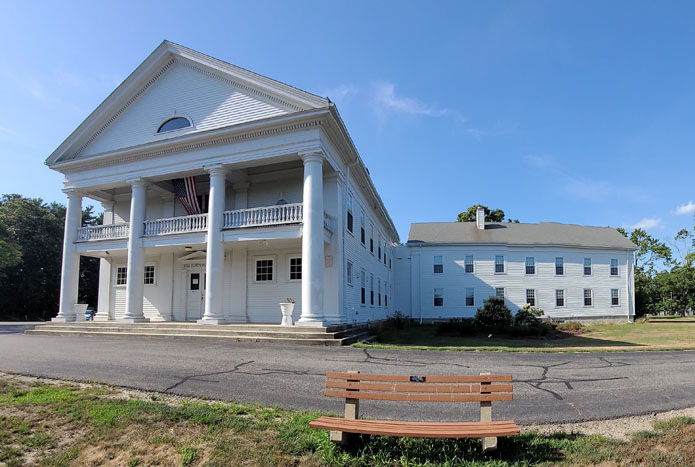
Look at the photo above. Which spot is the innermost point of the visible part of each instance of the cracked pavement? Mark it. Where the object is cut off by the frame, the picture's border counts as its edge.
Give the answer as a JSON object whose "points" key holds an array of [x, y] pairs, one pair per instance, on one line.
{"points": [[548, 388]]}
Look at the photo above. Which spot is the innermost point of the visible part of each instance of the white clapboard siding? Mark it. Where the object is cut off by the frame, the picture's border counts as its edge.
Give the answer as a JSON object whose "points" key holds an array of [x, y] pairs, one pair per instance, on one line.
{"points": [[207, 100], [264, 298], [118, 305]]}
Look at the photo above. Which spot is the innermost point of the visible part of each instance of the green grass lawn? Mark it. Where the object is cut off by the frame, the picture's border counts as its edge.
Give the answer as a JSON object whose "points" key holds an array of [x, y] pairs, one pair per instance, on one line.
{"points": [[70, 425], [657, 334]]}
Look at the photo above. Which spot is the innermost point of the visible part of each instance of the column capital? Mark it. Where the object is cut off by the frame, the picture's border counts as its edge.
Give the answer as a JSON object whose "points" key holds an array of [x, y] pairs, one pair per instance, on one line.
{"points": [[312, 156], [107, 205], [215, 170], [138, 183], [72, 192]]}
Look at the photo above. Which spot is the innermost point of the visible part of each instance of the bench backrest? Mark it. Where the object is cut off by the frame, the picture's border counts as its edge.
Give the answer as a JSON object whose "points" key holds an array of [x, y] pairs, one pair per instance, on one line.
{"points": [[480, 388]]}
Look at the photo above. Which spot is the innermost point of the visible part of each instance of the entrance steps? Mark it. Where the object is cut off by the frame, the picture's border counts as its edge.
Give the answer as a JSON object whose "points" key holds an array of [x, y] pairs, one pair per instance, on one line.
{"points": [[269, 333]]}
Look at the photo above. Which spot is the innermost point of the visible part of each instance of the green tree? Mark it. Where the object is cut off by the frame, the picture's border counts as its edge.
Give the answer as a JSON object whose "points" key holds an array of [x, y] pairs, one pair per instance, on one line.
{"points": [[30, 288], [496, 215]]}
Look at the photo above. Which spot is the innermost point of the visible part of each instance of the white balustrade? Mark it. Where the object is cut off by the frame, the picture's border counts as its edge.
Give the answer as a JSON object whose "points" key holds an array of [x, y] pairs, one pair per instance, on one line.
{"points": [[102, 232], [174, 225], [268, 215]]}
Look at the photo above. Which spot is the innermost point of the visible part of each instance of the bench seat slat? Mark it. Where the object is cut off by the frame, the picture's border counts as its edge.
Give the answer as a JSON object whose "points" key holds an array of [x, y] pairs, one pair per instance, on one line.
{"points": [[419, 387], [418, 429], [395, 396], [428, 379]]}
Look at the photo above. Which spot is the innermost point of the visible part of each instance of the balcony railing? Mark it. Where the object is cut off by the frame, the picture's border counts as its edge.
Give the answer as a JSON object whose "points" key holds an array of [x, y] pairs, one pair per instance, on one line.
{"points": [[175, 225], [254, 217], [103, 232], [269, 215]]}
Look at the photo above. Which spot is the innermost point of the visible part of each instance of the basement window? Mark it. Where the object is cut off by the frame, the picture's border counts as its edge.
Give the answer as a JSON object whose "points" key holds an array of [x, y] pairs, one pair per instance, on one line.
{"points": [[173, 124]]}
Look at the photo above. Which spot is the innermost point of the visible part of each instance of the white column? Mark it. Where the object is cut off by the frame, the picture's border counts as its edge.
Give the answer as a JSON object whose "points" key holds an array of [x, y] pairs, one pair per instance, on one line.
{"points": [[239, 285], [70, 271], [136, 255], [214, 267], [312, 242], [334, 272]]}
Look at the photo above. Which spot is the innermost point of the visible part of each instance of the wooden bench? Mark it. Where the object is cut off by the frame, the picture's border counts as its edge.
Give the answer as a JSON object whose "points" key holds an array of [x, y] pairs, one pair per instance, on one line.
{"points": [[353, 386]]}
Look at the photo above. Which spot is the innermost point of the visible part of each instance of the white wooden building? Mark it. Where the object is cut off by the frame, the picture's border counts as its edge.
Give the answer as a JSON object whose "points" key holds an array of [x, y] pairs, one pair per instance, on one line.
{"points": [[446, 270], [275, 173]]}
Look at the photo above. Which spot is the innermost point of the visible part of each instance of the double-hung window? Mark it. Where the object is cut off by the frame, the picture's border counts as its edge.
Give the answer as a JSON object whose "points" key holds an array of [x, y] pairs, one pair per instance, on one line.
{"points": [[438, 265], [531, 297], [499, 292], [587, 266], [363, 288], [468, 264], [149, 274], [371, 238], [615, 297], [264, 270], [614, 267], [122, 275], [296, 268], [470, 296], [350, 218], [559, 266], [559, 298], [363, 232], [371, 289], [349, 273], [499, 264], [588, 297], [378, 255], [438, 297], [386, 294], [530, 265], [378, 283]]}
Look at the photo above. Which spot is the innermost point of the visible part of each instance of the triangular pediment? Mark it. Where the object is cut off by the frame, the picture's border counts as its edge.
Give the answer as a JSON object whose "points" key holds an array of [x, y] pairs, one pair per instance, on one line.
{"points": [[195, 257], [176, 81]]}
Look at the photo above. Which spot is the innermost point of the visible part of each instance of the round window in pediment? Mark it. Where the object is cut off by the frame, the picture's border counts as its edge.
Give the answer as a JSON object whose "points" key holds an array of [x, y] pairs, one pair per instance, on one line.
{"points": [[176, 123]]}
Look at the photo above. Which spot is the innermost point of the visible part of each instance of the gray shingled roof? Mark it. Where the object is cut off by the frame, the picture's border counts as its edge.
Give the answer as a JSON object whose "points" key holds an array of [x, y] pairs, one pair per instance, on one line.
{"points": [[543, 234]]}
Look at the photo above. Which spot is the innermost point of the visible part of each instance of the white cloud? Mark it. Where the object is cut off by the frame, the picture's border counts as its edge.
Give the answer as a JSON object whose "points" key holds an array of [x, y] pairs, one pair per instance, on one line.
{"points": [[386, 99], [686, 209], [646, 224], [340, 92]]}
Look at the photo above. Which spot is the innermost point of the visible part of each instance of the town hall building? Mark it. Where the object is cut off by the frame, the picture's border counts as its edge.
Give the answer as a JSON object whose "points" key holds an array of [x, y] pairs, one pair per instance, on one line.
{"points": [[226, 193]]}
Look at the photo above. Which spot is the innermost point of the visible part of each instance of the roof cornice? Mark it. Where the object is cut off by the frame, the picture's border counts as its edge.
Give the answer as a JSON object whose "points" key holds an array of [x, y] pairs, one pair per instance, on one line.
{"points": [[415, 243]]}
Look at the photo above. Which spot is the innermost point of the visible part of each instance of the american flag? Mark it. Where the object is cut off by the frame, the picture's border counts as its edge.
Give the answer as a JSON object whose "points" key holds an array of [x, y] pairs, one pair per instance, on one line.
{"points": [[186, 193]]}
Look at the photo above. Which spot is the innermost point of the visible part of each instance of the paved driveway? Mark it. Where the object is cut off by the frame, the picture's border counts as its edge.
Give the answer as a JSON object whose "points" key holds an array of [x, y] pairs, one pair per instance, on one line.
{"points": [[549, 387]]}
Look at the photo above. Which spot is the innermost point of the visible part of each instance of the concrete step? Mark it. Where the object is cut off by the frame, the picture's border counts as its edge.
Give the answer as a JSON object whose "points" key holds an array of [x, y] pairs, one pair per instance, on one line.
{"points": [[228, 337], [307, 333], [190, 325]]}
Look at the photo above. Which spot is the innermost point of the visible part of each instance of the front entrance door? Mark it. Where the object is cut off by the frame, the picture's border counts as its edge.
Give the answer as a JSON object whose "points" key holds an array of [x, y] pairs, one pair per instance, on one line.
{"points": [[195, 303]]}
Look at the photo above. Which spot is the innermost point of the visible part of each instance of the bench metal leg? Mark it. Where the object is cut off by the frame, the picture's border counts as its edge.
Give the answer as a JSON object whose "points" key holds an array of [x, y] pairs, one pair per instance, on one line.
{"points": [[489, 444]]}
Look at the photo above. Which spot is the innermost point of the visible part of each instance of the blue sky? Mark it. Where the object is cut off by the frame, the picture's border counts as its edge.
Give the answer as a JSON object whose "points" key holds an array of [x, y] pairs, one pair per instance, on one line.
{"points": [[576, 112]]}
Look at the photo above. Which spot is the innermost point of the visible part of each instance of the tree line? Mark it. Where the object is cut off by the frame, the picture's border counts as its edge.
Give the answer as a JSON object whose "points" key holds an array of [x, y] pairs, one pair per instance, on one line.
{"points": [[31, 251]]}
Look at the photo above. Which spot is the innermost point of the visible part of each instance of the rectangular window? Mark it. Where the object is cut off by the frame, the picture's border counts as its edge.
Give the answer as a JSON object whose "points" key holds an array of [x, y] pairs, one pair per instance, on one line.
{"points": [[122, 275], [149, 274], [559, 298], [531, 297], [386, 298], [371, 238], [264, 270], [371, 289], [615, 297], [378, 296], [349, 212], [587, 266], [384, 253], [470, 296], [499, 292], [438, 297], [588, 299], [379, 248], [614, 267], [296, 269], [499, 263], [530, 265], [559, 266], [363, 288], [363, 232], [469, 264], [195, 281], [349, 273], [438, 265]]}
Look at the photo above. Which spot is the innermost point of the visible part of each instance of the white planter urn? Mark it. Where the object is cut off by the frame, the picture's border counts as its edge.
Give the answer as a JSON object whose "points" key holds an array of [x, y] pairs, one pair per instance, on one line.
{"points": [[287, 309]]}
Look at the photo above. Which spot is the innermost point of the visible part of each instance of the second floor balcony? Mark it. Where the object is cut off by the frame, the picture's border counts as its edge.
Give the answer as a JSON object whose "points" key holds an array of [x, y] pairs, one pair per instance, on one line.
{"points": [[266, 216]]}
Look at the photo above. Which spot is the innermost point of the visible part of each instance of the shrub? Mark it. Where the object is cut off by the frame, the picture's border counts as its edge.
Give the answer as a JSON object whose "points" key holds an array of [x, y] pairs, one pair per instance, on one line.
{"points": [[398, 321], [494, 313], [528, 316], [570, 326], [456, 327]]}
